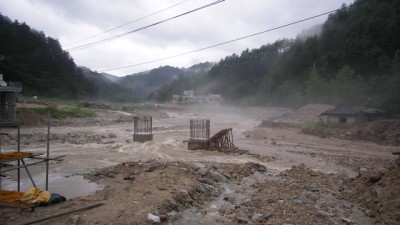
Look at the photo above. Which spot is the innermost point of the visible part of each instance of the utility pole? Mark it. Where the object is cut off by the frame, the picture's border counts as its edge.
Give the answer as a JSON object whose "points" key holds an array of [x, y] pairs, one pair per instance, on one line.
{"points": [[269, 91]]}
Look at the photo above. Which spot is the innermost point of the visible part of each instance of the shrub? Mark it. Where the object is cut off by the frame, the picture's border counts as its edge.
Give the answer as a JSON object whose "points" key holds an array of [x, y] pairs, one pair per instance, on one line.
{"points": [[318, 129]]}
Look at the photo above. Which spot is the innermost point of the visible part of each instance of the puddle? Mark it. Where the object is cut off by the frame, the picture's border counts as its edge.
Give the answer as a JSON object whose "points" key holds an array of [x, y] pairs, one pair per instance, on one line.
{"points": [[70, 186]]}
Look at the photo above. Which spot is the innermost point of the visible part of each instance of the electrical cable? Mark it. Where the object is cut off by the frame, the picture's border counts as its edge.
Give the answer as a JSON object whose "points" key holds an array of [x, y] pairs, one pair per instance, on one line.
{"points": [[125, 24], [222, 43], [120, 35], [142, 28]]}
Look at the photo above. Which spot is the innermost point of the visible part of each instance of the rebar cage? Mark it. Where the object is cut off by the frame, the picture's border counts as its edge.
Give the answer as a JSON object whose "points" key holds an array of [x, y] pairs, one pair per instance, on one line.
{"points": [[142, 125], [199, 129]]}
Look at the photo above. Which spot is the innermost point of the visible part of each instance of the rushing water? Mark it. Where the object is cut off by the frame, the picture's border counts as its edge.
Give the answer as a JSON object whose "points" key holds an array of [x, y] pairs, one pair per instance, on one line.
{"points": [[210, 212]]}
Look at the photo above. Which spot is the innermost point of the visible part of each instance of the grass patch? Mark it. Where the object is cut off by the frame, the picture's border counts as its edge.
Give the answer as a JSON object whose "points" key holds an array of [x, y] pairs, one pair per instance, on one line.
{"points": [[129, 106], [61, 112], [318, 129], [60, 101], [52, 100]]}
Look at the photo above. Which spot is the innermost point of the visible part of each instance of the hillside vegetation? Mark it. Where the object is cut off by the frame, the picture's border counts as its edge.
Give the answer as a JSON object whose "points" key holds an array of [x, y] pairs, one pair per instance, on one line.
{"points": [[46, 70], [355, 59]]}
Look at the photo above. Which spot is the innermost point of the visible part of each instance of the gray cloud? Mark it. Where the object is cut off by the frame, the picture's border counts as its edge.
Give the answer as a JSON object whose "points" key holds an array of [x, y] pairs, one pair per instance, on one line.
{"points": [[73, 20]]}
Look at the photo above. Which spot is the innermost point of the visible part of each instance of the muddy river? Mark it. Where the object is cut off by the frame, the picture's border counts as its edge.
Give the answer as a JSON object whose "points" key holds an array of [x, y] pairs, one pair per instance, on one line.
{"points": [[286, 147]]}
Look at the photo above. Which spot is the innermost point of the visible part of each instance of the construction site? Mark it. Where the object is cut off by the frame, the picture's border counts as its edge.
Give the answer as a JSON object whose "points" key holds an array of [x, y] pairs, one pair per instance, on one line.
{"points": [[199, 165]]}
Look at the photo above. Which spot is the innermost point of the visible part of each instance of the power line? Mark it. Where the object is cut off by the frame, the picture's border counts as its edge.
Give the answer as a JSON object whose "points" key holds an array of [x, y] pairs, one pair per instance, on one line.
{"points": [[222, 43], [130, 22], [142, 28]]}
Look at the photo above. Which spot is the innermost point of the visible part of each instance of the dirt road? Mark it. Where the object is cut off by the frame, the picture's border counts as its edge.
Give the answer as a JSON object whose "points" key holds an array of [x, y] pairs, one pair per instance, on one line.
{"points": [[287, 177]]}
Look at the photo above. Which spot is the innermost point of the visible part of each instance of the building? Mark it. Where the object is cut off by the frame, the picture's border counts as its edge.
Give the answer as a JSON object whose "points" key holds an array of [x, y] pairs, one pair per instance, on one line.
{"points": [[346, 116], [8, 100], [188, 97]]}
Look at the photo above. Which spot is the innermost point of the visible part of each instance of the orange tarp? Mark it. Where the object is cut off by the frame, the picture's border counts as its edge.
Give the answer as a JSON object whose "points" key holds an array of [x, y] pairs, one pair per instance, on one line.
{"points": [[10, 156], [13, 199]]}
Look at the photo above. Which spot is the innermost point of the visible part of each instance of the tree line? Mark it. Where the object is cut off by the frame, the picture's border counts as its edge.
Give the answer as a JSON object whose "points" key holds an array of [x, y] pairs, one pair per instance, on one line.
{"points": [[355, 59], [43, 68]]}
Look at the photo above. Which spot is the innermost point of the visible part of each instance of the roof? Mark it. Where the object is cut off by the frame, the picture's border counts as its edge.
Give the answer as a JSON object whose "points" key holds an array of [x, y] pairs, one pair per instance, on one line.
{"points": [[10, 89], [351, 110]]}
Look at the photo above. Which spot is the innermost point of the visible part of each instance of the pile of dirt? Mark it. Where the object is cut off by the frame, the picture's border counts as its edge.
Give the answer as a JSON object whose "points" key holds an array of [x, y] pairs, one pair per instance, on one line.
{"points": [[217, 193], [299, 196], [378, 192], [136, 189], [385, 132], [307, 114], [29, 118]]}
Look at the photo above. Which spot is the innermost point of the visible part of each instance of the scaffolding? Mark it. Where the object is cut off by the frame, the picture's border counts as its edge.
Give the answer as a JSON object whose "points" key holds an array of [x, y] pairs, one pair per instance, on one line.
{"points": [[15, 160]]}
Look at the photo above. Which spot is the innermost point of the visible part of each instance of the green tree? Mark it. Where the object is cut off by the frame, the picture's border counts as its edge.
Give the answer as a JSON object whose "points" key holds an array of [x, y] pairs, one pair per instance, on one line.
{"points": [[348, 88], [317, 90]]}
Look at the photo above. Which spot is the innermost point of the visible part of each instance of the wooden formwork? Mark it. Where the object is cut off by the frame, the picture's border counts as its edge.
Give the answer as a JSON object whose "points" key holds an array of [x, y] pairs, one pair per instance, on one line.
{"points": [[223, 139]]}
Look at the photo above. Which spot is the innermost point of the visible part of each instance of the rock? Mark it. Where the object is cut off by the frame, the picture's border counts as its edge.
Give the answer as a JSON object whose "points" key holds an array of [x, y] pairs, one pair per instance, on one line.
{"points": [[374, 192], [153, 218], [217, 165], [184, 197], [374, 179], [230, 199], [203, 172], [347, 221], [362, 172], [109, 175], [163, 218], [150, 169], [217, 176], [200, 188], [227, 176], [267, 215], [197, 166], [242, 219], [172, 214], [74, 219], [257, 217], [210, 181], [303, 200], [129, 178]]}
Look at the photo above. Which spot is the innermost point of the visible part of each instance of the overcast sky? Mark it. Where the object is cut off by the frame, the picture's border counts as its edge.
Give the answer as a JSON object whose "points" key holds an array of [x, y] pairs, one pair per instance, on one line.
{"points": [[70, 21]]}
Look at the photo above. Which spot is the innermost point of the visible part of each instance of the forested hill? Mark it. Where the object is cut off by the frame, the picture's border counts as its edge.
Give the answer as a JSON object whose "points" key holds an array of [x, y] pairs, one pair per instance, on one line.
{"points": [[39, 63], [44, 69], [144, 83], [355, 59]]}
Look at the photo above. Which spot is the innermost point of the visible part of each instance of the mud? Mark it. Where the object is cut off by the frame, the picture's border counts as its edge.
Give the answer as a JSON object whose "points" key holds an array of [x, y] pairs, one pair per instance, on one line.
{"points": [[276, 176]]}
